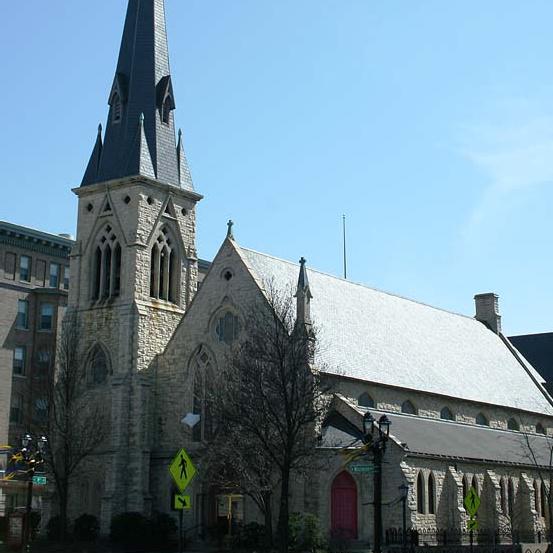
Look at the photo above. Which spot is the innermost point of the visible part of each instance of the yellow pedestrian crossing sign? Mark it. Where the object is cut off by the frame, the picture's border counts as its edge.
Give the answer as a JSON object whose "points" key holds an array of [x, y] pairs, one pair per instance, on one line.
{"points": [[472, 502], [181, 502], [182, 470]]}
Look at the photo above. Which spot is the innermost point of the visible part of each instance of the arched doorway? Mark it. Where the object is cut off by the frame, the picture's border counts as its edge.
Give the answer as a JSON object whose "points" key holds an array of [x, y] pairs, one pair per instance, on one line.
{"points": [[344, 506]]}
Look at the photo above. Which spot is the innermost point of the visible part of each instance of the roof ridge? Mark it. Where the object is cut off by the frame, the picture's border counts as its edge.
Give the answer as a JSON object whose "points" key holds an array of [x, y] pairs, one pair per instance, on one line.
{"points": [[361, 285]]}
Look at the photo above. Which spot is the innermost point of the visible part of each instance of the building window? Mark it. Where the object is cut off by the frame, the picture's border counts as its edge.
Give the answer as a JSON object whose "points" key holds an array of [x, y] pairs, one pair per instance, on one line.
{"points": [[40, 411], [420, 493], [46, 316], [465, 488], [431, 495], [482, 420], [43, 360], [54, 275], [40, 273], [202, 369], [537, 504], [19, 357], [512, 424], [16, 409], [22, 320], [227, 328], [106, 266], [116, 103], [98, 370], [25, 268], [365, 400], [446, 414], [540, 428], [9, 266], [408, 408], [474, 484], [165, 268], [66, 277]]}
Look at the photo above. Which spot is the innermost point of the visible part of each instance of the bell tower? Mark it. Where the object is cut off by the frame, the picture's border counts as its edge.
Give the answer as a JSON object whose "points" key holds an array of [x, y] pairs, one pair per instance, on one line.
{"points": [[134, 265]]}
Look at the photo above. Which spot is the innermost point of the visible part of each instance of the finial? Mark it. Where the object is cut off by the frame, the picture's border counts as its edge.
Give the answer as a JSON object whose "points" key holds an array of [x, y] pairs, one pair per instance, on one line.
{"points": [[303, 261], [100, 128], [230, 224], [180, 134], [141, 118]]}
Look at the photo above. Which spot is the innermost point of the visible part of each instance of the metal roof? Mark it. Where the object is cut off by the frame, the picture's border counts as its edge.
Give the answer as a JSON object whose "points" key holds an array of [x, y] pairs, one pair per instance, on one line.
{"points": [[375, 336]]}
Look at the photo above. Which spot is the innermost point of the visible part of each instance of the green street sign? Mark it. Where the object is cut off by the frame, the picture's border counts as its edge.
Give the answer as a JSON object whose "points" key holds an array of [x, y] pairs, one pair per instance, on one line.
{"points": [[181, 502], [39, 480], [472, 502], [361, 468]]}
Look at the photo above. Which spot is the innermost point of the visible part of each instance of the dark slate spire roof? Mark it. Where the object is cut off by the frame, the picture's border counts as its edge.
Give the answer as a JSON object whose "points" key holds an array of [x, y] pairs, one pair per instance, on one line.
{"points": [[142, 86]]}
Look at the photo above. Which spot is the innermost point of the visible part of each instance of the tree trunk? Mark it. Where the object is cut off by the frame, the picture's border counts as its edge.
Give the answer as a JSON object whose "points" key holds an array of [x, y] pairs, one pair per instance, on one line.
{"points": [[283, 512], [268, 519]]}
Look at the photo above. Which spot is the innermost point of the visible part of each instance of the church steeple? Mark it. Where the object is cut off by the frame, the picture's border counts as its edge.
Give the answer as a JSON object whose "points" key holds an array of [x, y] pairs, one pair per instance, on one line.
{"points": [[142, 85]]}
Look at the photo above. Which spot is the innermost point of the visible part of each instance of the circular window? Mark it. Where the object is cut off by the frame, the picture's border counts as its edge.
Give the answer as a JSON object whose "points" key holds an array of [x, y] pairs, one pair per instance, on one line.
{"points": [[227, 327]]}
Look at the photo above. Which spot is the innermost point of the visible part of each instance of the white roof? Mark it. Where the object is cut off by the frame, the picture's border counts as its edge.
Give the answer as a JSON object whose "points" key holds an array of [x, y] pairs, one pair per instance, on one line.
{"points": [[375, 336]]}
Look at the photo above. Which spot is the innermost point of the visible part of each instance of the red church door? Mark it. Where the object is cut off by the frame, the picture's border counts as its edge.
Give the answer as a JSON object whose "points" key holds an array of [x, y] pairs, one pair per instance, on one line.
{"points": [[344, 506]]}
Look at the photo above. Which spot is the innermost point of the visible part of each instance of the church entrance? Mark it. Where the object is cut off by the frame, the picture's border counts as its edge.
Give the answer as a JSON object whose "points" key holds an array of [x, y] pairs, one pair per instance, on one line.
{"points": [[344, 506]]}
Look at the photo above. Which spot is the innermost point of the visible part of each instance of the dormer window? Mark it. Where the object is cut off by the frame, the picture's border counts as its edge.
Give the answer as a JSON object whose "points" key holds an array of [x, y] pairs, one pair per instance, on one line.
{"points": [[116, 107], [166, 110]]}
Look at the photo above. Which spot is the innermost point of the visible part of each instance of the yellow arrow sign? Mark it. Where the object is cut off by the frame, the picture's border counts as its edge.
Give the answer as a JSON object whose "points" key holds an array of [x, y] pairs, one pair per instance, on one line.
{"points": [[182, 502], [472, 502], [182, 470]]}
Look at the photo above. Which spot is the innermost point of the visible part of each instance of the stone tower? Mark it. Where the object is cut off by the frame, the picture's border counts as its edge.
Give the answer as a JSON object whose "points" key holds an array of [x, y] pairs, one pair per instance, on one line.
{"points": [[134, 266]]}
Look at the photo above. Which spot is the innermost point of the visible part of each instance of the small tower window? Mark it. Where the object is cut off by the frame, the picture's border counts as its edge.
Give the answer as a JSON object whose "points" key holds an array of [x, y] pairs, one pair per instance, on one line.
{"points": [[106, 266], [116, 108], [164, 268], [166, 110]]}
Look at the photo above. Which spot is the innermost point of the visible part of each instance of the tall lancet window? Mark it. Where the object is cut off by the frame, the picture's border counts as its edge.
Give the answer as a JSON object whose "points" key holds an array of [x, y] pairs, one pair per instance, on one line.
{"points": [[202, 373], [116, 108], [164, 268], [106, 266]]}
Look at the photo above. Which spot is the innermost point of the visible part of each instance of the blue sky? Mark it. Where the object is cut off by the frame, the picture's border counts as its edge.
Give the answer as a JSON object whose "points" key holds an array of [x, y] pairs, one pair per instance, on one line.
{"points": [[429, 123]]}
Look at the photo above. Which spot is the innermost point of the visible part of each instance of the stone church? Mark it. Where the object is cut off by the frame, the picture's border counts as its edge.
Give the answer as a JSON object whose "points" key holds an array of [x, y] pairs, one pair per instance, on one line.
{"points": [[466, 408]]}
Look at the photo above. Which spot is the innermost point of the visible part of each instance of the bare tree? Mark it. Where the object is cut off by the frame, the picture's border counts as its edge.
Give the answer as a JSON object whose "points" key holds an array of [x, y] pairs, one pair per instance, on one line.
{"points": [[72, 419], [270, 399]]}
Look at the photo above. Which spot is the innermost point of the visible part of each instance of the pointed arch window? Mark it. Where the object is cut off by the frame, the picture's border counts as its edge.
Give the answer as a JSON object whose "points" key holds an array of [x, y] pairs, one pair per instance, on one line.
{"points": [[431, 494], [116, 107], [465, 487], [474, 484], [408, 408], [512, 424], [420, 493], [540, 428], [482, 420], [202, 369], [365, 400], [446, 414], [98, 366], [165, 268], [106, 266]]}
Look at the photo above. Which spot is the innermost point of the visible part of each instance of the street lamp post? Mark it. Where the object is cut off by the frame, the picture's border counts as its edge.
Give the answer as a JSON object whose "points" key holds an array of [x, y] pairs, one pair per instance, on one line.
{"points": [[32, 452], [377, 445], [404, 490]]}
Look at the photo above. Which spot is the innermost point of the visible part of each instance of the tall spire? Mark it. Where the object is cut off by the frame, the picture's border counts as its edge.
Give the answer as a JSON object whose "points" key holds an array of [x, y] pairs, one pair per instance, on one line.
{"points": [[142, 85], [303, 296]]}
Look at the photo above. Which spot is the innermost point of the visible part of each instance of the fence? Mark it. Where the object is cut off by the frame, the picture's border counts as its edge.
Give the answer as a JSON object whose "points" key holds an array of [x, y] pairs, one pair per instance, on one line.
{"points": [[452, 539]]}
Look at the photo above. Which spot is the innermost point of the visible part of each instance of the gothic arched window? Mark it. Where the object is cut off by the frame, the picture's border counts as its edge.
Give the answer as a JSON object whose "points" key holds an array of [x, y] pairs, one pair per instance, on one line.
{"points": [[164, 268], [166, 110], [227, 327], [365, 400], [512, 424], [106, 270], [431, 494], [116, 108], [98, 366], [482, 420], [539, 428], [408, 407], [465, 487], [420, 493], [202, 369], [474, 484], [446, 414]]}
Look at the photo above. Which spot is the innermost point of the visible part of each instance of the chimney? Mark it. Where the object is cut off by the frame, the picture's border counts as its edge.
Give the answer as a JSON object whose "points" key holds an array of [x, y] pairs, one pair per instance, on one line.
{"points": [[487, 311]]}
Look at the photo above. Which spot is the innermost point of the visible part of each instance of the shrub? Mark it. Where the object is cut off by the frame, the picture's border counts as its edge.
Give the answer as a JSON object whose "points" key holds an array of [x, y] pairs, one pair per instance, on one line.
{"points": [[304, 533], [86, 528], [163, 529], [53, 529], [252, 536], [130, 529]]}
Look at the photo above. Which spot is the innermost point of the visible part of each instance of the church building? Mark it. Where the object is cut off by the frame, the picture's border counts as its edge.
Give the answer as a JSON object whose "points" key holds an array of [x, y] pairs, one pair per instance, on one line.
{"points": [[466, 408]]}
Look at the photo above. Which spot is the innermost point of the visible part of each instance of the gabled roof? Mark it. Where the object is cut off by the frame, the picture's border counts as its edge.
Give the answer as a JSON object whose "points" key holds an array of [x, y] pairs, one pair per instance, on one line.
{"points": [[378, 337]]}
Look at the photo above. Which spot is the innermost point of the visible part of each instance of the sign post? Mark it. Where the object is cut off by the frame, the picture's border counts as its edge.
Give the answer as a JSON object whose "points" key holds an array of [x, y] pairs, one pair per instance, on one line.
{"points": [[182, 470]]}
